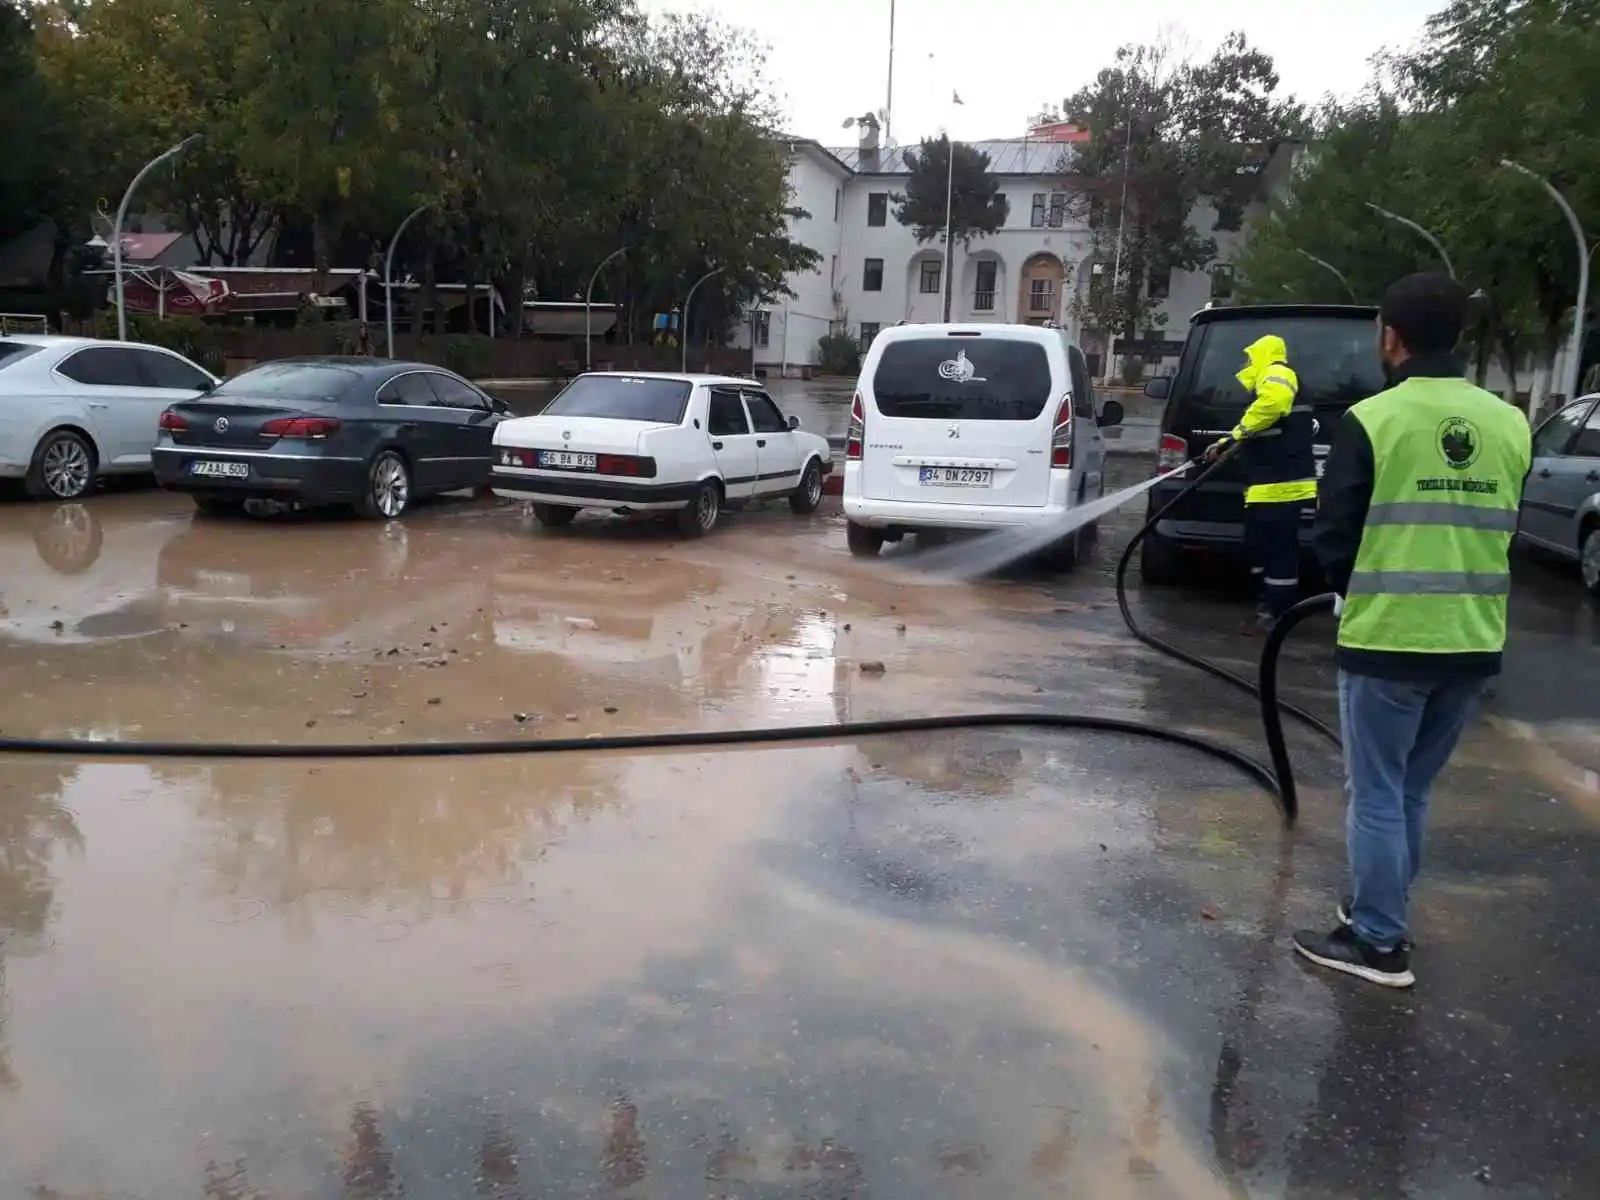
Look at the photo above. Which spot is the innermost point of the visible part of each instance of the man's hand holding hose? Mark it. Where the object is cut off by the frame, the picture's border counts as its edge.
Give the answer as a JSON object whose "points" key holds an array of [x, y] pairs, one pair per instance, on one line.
{"points": [[1217, 449]]}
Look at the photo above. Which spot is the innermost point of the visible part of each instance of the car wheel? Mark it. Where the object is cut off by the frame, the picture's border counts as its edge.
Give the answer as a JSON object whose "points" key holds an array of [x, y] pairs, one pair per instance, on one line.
{"points": [[805, 498], [863, 540], [62, 467], [554, 516], [699, 517], [218, 506], [1589, 560], [1159, 561], [388, 492]]}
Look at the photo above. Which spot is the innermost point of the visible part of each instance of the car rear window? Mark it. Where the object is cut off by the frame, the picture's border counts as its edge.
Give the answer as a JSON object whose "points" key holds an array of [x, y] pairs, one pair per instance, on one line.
{"points": [[962, 378], [13, 352], [623, 398], [290, 381], [1335, 358]]}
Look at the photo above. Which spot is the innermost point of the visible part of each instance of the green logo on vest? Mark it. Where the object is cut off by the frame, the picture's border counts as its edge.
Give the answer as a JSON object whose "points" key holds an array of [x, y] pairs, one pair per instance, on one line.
{"points": [[1459, 443]]}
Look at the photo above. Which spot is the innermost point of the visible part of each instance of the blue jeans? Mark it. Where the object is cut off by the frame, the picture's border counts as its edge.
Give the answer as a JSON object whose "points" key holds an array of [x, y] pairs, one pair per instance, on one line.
{"points": [[1397, 738]]}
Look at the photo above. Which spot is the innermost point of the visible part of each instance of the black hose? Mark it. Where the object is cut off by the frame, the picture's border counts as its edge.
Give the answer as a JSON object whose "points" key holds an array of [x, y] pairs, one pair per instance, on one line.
{"points": [[1277, 781]]}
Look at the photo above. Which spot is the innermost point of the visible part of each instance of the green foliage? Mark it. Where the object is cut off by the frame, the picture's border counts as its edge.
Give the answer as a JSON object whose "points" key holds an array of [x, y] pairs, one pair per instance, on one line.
{"points": [[541, 138], [464, 353], [838, 354], [1132, 369], [1493, 80], [185, 335], [1166, 134], [977, 207]]}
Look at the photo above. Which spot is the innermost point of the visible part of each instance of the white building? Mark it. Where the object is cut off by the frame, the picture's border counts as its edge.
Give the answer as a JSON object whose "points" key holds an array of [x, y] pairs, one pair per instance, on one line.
{"points": [[873, 273]]}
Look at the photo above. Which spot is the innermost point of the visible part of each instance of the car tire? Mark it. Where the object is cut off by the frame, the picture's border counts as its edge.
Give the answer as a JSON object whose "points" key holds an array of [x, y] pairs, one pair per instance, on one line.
{"points": [[863, 540], [387, 494], [808, 495], [63, 467], [1589, 560], [218, 506], [554, 516], [1160, 563], [699, 517]]}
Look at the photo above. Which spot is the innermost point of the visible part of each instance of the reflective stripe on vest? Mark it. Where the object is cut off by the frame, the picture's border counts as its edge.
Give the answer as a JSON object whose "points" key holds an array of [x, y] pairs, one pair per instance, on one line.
{"points": [[1432, 572], [1288, 492]]}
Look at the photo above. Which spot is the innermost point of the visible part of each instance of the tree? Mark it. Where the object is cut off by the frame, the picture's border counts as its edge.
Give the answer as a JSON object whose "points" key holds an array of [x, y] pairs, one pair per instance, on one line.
{"points": [[1166, 134], [950, 182]]}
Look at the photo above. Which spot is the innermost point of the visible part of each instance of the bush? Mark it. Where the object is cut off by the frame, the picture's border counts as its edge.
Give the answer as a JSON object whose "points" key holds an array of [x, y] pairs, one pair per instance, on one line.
{"points": [[185, 335], [1132, 369], [467, 354], [838, 354]]}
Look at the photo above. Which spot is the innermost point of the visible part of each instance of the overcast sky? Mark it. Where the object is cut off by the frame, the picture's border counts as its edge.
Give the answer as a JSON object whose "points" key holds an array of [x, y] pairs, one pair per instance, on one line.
{"points": [[1007, 58]]}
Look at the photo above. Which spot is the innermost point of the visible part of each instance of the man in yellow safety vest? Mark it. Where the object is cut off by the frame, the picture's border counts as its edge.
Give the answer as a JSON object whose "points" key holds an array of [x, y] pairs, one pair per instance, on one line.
{"points": [[1414, 525]]}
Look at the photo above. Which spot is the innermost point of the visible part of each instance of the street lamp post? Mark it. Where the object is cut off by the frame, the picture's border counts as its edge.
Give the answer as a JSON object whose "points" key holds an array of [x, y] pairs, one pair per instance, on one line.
{"points": [[388, 274], [122, 215], [1332, 270], [1438, 247], [683, 343], [588, 297], [1575, 347]]}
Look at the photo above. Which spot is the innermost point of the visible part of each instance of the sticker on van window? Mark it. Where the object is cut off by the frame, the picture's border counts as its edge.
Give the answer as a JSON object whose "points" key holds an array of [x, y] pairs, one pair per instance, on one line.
{"points": [[960, 369]]}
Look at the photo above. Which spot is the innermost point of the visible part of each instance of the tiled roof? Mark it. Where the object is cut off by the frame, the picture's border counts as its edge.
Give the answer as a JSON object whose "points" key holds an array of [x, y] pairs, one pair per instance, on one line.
{"points": [[1013, 156]]}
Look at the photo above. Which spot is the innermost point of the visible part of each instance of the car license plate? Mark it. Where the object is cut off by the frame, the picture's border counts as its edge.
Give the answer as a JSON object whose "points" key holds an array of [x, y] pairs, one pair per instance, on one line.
{"points": [[956, 477], [566, 460], [221, 470]]}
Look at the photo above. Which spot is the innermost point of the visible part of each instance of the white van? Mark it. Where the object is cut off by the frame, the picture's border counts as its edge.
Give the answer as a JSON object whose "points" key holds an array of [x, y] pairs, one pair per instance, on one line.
{"points": [[971, 427]]}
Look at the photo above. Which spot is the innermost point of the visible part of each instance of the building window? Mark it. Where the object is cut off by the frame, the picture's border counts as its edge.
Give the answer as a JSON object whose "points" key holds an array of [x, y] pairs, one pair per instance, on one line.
{"points": [[877, 208], [836, 198], [1222, 281], [1049, 208], [872, 275], [1058, 209], [760, 327], [869, 330], [983, 294], [1041, 295], [1037, 220], [1159, 284], [930, 277]]}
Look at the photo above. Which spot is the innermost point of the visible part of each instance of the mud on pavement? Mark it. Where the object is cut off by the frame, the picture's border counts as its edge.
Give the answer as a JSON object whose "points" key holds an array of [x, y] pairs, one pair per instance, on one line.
{"points": [[967, 965]]}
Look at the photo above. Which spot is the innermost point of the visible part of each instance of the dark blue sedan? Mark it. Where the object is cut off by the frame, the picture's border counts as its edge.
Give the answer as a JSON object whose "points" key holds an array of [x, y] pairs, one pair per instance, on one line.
{"points": [[370, 433]]}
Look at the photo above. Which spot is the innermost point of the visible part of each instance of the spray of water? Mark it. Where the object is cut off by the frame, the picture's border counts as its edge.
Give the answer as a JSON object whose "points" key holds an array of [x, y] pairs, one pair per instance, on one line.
{"points": [[993, 552]]}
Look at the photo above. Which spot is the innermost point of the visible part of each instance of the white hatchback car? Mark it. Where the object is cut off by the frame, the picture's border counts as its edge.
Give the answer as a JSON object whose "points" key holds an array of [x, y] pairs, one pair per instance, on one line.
{"points": [[684, 446], [74, 409], [971, 427]]}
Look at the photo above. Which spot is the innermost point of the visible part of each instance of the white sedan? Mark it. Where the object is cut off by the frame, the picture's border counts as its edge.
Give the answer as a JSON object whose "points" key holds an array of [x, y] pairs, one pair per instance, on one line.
{"points": [[685, 446], [74, 409]]}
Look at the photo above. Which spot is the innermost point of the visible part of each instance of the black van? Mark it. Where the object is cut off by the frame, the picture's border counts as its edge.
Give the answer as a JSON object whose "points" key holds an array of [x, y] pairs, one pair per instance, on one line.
{"points": [[1334, 351]]}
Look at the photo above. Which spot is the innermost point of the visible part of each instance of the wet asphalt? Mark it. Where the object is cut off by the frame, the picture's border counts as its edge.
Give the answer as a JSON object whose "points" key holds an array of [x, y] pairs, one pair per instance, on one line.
{"points": [[981, 964]]}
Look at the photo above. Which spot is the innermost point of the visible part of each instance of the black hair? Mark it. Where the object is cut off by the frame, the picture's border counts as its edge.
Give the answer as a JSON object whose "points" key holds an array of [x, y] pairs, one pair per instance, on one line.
{"points": [[1427, 311]]}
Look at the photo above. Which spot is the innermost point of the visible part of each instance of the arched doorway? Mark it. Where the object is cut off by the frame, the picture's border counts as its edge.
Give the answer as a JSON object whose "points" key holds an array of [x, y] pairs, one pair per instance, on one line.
{"points": [[1039, 286]]}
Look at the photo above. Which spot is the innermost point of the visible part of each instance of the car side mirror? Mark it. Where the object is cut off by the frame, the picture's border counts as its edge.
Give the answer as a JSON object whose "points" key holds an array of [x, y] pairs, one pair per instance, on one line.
{"points": [[1158, 387], [794, 422], [1110, 414]]}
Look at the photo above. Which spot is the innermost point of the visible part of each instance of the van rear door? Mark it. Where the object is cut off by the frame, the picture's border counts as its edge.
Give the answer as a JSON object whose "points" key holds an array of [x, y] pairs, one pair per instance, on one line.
{"points": [[959, 418]]}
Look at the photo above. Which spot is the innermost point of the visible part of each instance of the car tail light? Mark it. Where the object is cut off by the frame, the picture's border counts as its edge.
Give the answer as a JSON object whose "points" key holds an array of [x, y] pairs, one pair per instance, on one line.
{"points": [[171, 422], [625, 464], [1173, 454], [1061, 435], [856, 434], [312, 428]]}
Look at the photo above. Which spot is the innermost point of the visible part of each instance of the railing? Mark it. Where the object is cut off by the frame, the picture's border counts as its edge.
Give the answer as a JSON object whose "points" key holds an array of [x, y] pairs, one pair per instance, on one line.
{"points": [[983, 301], [1041, 301]]}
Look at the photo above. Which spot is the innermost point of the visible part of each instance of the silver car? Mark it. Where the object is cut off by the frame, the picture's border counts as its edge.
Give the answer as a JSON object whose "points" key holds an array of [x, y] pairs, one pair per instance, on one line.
{"points": [[1561, 500], [75, 409]]}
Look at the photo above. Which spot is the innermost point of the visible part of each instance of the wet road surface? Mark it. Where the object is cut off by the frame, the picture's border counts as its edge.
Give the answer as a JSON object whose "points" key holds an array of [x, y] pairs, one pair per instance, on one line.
{"points": [[988, 964]]}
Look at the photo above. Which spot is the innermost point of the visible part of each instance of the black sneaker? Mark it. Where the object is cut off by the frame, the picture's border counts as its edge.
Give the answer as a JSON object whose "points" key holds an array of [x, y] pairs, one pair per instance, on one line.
{"points": [[1346, 903], [1343, 951]]}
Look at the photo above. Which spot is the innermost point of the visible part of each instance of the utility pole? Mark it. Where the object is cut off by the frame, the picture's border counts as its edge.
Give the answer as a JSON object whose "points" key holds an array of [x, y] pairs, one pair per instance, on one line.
{"points": [[122, 215], [949, 215], [888, 102], [1574, 370]]}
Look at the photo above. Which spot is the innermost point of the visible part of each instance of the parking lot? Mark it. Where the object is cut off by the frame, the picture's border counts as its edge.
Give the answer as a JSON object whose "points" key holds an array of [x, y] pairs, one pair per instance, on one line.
{"points": [[986, 964]]}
